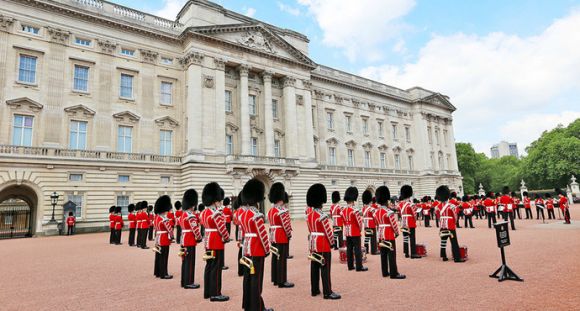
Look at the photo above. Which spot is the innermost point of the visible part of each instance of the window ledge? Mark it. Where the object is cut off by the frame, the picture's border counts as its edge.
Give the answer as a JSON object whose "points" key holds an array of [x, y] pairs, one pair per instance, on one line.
{"points": [[27, 84], [81, 93], [131, 100], [229, 113]]}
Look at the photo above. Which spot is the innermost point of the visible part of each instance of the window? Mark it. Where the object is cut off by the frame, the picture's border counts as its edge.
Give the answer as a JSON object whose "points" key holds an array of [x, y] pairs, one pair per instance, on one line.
{"points": [[348, 124], [277, 148], [229, 144], [383, 160], [83, 42], [367, 159], [165, 142], [429, 135], [81, 79], [365, 126], [411, 163], [78, 200], [123, 202], [350, 157], [166, 60], [445, 137], [333, 182], [381, 129], [22, 131], [437, 137], [394, 132], [126, 86], [275, 108], [127, 52], [165, 180], [31, 29], [440, 161], [27, 69], [432, 160], [408, 134], [124, 178], [124, 139], [254, 142], [228, 99], [75, 177], [397, 162], [331, 155], [253, 107], [166, 93], [78, 135], [330, 120]]}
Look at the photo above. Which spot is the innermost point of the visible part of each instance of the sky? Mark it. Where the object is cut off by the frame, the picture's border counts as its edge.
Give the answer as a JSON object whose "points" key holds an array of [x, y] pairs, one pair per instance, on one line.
{"points": [[512, 68]]}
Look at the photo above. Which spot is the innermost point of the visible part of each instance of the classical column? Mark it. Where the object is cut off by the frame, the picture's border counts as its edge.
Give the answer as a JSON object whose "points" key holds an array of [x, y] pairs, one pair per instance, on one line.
{"points": [[192, 63], [268, 116], [309, 125], [104, 124], [451, 142], [54, 98], [220, 99], [289, 94], [5, 28], [244, 110]]}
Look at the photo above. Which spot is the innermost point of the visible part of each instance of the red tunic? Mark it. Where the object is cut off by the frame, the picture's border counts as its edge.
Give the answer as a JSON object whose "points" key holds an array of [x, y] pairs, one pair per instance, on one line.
{"points": [[178, 217], [215, 228], [280, 225], [118, 222], [112, 220], [237, 219], [335, 212], [549, 204], [163, 230], [539, 202], [256, 242], [171, 217], [353, 223], [448, 216], [142, 220], [368, 220], [563, 203], [70, 221], [190, 232], [527, 203], [227, 214], [388, 229], [320, 231], [507, 203], [489, 205], [150, 218], [426, 208], [467, 208], [437, 206], [132, 220], [407, 214]]}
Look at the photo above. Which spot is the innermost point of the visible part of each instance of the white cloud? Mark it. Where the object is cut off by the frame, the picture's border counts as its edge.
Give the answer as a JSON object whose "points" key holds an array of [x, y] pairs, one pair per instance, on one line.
{"points": [[288, 9], [498, 79], [170, 8], [359, 27], [250, 12]]}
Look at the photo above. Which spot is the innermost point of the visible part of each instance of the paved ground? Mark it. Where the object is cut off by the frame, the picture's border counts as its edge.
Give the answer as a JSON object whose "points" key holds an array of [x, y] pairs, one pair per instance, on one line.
{"points": [[84, 272]]}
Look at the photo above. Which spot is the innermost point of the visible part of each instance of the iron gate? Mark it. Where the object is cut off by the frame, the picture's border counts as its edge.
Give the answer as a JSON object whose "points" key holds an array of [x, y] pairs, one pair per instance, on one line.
{"points": [[15, 222]]}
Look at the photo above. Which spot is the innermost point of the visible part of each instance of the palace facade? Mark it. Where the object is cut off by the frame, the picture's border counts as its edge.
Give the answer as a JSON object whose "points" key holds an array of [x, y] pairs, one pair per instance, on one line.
{"points": [[106, 105]]}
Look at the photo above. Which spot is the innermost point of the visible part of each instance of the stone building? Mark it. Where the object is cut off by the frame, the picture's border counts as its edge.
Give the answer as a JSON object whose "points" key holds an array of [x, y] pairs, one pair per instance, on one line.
{"points": [[106, 105]]}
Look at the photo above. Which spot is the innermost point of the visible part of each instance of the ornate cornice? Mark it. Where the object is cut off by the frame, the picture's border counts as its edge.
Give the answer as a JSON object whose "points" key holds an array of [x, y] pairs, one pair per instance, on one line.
{"points": [[24, 102], [244, 70], [220, 63], [307, 85], [58, 35], [6, 23], [107, 46], [79, 110], [191, 58], [148, 56], [166, 120], [289, 81], [126, 116], [267, 76]]}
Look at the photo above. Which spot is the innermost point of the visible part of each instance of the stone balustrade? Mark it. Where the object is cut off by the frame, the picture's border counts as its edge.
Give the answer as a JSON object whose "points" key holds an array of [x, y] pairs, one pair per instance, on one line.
{"points": [[339, 168], [249, 159]]}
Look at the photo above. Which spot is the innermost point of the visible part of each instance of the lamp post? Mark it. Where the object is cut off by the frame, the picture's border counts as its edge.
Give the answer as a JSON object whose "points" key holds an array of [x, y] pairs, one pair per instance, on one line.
{"points": [[53, 201]]}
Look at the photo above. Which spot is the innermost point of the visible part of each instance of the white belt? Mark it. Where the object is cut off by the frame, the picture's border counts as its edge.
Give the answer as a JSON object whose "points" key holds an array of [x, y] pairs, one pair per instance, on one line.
{"points": [[317, 234], [184, 231], [406, 216], [160, 232], [211, 230], [275, 227], [250, 235], [449, 217], [384, 226], [368, 218], [335, 216]]}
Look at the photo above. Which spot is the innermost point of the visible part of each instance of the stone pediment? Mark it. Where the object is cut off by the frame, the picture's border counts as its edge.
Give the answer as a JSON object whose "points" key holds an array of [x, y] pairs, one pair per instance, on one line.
{"points": [[255, 37], [79, 110], [24, 103], [167, 120], [439, 100], [126, 116]]}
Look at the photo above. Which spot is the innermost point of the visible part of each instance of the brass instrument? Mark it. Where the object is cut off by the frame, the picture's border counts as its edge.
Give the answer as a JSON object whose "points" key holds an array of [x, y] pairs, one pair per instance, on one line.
{"points": [[275, 251], [208, 255], [405, 230], [245, 261], [337, 229], [318, 258], [386, 244], [156, 249], [182, 252], [445, 233]]}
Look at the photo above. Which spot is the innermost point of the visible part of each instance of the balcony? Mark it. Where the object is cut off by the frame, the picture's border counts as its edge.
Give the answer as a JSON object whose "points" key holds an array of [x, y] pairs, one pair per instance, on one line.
{"points": [[91, 155], [261, 160], [338, 168]]}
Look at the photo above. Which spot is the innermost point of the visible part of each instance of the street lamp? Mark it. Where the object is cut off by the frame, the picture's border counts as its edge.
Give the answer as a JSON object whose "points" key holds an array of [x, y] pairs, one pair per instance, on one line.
{"points": [[53, 201]]}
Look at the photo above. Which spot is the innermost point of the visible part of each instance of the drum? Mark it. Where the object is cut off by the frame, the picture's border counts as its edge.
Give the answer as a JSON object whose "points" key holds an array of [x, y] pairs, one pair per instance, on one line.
{"points": [[463, 252], [342, 254], [421, 250]]}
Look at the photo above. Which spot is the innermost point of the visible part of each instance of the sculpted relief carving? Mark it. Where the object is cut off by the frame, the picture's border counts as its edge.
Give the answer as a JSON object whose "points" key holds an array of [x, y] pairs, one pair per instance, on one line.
{"points": [[256, 40]]}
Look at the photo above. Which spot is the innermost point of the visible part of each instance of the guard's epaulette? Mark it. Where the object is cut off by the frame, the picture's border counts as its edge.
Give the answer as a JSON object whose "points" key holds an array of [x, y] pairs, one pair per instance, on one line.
{"points": [[284, 211], [323, 216]]}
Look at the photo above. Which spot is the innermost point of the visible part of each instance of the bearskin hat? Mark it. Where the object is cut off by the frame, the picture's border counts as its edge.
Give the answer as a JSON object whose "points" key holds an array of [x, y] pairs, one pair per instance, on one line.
{"points": [[383, 195], [351, 194], [200, 207], [144, 204], [112, 209], [559, 191], [453, 194], [227, 201], [286, 198], [442, 193], [316, 196], [118, 209], [149, 208], [367, 197], [253, 192], [163, 204], [465, 198], [177, 205], [406, 192], [525, 193], [131, 207], [335, 197], [505, 190], [548, 195], [70, 213], [189, 199], [276, 192], [240, 200], [212, 193]]}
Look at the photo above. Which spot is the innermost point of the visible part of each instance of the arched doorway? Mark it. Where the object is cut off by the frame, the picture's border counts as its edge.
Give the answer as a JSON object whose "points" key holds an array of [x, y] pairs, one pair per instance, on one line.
{"points": [[18, 206]]}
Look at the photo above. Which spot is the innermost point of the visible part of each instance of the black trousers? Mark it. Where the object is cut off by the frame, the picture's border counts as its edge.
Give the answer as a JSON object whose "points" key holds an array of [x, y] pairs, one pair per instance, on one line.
{"points": [[567, 215], [389, 260], [517, 210], [240, 266], [409, 238], [118, 236], [161, 261], [529, 213], [131, 236], [454, 245], [427, 220], [318, 272], [252, 297], [551, 214], [512, 216], [338, 238], [353, 252], [112, 236], [70, 230], [469, 219], [212, 276], [139, 237], [223, 259], [490, 218], [188, 267], [372, 247], [178, 237], [229, 228], [150, 232], [437, 222], [279, 271], [539, 211]]}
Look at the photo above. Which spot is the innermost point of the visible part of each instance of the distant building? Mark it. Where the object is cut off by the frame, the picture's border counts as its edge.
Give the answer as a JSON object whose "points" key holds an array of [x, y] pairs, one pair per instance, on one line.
{"points": [[504, 149]]}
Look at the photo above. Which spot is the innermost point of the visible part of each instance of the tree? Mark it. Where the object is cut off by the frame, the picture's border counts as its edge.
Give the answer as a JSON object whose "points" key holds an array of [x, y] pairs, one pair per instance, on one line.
{"points": [[469, 163]]}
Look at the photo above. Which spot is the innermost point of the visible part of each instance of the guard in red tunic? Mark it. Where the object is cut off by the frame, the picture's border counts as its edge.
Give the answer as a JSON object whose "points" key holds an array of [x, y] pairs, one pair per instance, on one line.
{"points": [[528, 206], [467, 208], [191, 235], [353, 226], [319, 243], [388, 230], [426, 210], [70, 224], [490, 209], [112, 224], [368, 212], [171, 217], [550, 206], [216, 235], [280, 234], [448, 221], [228, 214], [142, 225], [239, 209], [408, 222], [564, 206], [256, 246], [163, 236], [118, 225], [517, 203], [178, 213], [132, 223], [506, 204], [151, 227], [540, 206], [337, 221]]}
